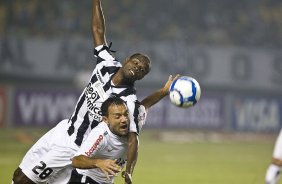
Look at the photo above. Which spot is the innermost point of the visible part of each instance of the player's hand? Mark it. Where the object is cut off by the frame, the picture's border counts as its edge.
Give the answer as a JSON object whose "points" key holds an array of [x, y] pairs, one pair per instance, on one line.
{"points": [[109, 167], [169, 82], [127, 177]]}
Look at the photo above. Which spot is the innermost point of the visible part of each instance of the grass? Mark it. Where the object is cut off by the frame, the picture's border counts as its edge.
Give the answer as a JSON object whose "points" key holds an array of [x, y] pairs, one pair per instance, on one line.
{"points": [[167, 161]]}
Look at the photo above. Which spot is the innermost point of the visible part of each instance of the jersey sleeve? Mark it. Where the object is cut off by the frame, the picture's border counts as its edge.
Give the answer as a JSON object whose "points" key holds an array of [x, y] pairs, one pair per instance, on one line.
{"points": [[102, 52], [93, 143], [137, 116]]}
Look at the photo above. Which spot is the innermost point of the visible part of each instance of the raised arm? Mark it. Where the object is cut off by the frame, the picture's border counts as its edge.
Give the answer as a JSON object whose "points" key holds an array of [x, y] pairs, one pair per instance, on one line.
{"points": [[159, 94], [98, 24]]}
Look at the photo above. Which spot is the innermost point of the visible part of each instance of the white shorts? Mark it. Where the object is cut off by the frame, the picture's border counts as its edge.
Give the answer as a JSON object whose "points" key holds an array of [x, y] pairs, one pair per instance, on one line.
{"points": [[49, 159]]}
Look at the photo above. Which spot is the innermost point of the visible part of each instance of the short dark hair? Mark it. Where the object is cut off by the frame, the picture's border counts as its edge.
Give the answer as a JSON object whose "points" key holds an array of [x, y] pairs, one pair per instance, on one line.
{"points": [[112, 100]]}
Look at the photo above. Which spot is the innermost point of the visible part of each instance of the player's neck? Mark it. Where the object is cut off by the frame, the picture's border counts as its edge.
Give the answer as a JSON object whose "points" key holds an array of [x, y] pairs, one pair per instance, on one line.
{"points": [[119, 80]]}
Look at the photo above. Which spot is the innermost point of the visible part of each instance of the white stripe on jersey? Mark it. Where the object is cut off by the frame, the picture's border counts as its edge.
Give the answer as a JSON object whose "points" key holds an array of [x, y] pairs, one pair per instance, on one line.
{"points": [[87, 113], [102, 143]]}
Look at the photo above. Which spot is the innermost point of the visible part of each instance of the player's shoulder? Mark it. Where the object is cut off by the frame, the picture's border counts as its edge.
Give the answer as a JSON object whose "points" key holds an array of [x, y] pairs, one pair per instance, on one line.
{"points": [[131, 98], [132, 101], [100, 129], [99, 132], [102, 126], [104, 53]]}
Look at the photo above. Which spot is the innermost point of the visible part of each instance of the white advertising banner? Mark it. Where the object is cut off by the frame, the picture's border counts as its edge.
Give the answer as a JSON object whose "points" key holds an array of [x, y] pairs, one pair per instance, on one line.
{"points": [[235, 68]]}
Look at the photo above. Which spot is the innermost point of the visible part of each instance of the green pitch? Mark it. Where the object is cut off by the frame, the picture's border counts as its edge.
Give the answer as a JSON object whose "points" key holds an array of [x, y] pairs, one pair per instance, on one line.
{"points": [[168, 158]]}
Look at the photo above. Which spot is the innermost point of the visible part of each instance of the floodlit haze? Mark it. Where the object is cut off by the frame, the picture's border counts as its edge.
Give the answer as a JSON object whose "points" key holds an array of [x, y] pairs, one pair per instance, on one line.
{"points": [[233, 49]]}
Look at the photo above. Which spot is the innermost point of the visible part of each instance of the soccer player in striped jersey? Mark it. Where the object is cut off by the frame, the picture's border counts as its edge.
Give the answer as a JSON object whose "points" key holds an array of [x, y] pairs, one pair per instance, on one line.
{"points": [[49, 159], [103, 154]]}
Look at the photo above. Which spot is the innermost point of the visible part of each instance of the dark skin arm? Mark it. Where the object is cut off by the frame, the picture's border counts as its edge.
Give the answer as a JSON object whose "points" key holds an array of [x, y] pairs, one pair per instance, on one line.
{"points": [[98, 24], [108, 166], [133, 140], [20, 178], [132, 155], [155, 97]]}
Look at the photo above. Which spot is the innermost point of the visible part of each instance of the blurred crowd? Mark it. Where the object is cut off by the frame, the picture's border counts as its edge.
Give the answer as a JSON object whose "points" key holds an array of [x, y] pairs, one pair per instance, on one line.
{"points": [[255, 23]]}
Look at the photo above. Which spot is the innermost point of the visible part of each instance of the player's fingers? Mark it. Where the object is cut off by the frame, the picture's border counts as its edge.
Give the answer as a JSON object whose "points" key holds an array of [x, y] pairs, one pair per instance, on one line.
{"points": [[113, 163], [107, 175], [115, 168], [176, 76], [170, 77]]}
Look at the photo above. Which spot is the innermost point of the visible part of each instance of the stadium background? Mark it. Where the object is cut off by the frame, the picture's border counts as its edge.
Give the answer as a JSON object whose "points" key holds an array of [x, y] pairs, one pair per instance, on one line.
{"points": [[233, 49]]}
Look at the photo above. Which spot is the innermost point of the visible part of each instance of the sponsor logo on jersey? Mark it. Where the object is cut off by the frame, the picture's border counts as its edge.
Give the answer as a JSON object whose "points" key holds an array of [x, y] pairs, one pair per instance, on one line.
{"points": [[91, 93], [95, 145], [94, 111], [95, 94]]}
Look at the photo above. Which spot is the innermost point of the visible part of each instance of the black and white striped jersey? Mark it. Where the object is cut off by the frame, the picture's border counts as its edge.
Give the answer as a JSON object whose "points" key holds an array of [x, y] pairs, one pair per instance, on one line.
{"points": [[87, 112]]}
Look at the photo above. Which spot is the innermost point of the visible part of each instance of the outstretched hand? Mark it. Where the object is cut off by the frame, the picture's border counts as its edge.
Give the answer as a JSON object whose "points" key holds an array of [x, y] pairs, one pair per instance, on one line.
{"points": [[109, 167], [169, 82], [159, 94]]}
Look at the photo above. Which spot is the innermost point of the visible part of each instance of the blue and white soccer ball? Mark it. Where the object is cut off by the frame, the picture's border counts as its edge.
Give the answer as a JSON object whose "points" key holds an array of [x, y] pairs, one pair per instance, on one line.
{"points": [[184, 92]]}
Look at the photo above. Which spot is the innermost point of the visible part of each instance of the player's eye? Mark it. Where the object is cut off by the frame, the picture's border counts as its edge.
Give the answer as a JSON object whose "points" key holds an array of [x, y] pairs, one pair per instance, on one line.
{"points": [[116, 116]]}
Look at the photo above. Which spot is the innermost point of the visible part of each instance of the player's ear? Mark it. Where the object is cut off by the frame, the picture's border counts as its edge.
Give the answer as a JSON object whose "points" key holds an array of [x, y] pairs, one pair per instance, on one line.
{"points": [[105, 119]]}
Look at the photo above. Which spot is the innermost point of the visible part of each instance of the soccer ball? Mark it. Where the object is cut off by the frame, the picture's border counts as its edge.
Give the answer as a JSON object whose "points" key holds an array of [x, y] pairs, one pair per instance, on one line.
{"points": [[184, 92]]}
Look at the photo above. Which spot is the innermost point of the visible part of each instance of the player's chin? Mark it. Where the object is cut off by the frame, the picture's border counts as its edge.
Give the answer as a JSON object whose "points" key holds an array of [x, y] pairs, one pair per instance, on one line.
{"points": [[130, 78], [123, 131]]}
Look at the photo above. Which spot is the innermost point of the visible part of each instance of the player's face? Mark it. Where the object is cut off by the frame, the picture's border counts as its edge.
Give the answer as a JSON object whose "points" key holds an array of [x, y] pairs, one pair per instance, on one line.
{"points": [[118, 120], [134, 69]]}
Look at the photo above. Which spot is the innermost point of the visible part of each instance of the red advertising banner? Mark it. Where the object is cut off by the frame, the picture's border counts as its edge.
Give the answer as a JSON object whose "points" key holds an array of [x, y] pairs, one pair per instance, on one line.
{"points": [[3, 107]]}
